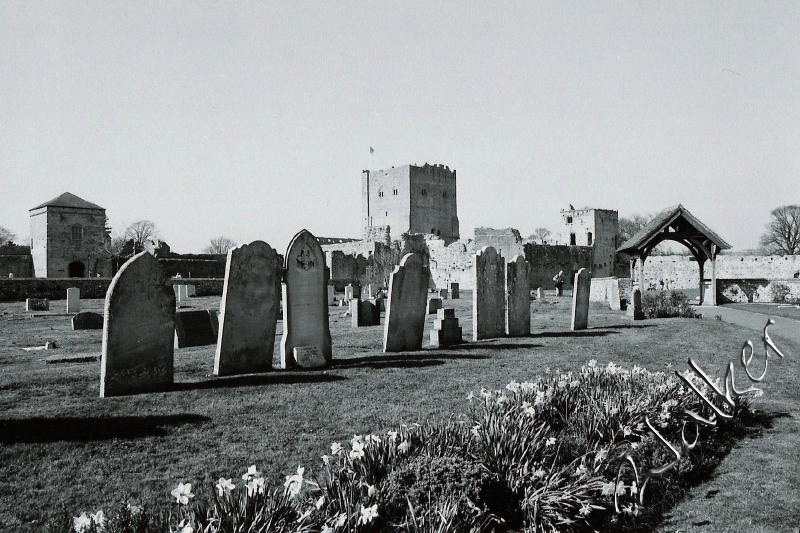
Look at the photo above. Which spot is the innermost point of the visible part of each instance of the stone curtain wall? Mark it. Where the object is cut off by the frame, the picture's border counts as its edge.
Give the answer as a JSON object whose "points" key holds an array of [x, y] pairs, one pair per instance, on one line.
{"points": [[19, 265], [546, 261], [753, 290], [194, 267], [681, 272], [18, 289]]}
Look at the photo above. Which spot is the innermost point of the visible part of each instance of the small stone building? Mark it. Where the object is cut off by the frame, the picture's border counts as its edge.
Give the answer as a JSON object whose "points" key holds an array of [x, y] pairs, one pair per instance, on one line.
{"points": [[409, 198], [596, 228], [69, 238]]}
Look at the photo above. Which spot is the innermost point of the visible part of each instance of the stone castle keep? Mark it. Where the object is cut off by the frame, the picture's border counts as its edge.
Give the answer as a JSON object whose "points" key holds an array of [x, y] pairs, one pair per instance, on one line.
{"points": [[409, 199]]}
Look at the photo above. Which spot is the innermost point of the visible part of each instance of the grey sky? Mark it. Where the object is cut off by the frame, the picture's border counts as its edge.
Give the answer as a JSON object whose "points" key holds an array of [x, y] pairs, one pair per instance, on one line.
{"points": [[254, 120]]}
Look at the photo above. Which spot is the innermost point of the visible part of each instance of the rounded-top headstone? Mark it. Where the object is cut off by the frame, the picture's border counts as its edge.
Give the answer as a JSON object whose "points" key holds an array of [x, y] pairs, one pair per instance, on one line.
{"points": [[138, 329]]}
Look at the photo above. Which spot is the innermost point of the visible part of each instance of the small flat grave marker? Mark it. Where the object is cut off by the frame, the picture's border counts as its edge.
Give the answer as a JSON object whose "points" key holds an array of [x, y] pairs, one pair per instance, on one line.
{"points": [[195, 328]]}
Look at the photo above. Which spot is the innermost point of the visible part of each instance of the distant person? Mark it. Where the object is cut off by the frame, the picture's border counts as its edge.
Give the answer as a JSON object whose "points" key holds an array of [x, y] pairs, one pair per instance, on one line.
{"points": [[558, 281], [10, 275]]}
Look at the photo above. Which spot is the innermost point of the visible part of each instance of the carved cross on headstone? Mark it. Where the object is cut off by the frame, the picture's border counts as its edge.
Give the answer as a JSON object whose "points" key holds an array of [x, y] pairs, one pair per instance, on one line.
{"points": [[305, 259]]}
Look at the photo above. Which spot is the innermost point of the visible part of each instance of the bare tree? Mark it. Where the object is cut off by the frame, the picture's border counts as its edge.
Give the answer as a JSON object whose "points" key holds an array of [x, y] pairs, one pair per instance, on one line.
{"points": [[629, 226], [220, 245], [140, 232], [782, 236], [540, 234], [6, 236]]}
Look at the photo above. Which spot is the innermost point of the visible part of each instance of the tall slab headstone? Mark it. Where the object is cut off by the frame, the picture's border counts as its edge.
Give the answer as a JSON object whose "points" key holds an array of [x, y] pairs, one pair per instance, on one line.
{"points": [[248, 310], [73, 300], [613, 295], [540, 294], [488, 297], [331, 295], [434, 304], [580, 300], [183, 293], [454, 291], [138, 329], [405, 310], [635, 307], [518, 297], [305, 308]]}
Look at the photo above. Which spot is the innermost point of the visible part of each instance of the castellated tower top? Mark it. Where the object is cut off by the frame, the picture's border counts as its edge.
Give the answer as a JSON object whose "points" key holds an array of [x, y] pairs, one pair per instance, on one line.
{"points": [[410, 199]]}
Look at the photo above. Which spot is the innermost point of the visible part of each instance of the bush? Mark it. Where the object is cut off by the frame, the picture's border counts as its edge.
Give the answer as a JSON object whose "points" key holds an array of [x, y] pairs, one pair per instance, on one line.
{"points": [[666, 304], [778, 292], [536, 456]]}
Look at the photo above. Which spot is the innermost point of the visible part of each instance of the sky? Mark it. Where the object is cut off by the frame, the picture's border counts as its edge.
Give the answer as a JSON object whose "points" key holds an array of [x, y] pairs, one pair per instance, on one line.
{"points": [[254, 119]]}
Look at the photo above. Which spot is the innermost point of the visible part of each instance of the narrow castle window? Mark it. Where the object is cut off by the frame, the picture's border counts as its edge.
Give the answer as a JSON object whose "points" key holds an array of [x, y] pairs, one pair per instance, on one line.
{"points": [[444, 194], [394, 191], [572, 239], [380, 194], [77, 233], [569, 220], [424, 192], [589, 238]]}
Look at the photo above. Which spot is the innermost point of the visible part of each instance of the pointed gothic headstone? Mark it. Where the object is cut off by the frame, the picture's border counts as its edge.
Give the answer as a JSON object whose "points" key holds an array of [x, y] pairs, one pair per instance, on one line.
{"points": [[305, 307], [488, 298]]}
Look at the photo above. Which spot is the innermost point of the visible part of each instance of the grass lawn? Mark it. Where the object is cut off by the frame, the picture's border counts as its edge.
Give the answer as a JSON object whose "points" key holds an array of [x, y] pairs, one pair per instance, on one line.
{"points": [[62, 445], [769, 309]]}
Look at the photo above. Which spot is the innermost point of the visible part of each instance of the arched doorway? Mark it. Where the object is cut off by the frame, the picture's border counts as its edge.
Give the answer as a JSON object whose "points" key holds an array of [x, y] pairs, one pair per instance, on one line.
{"points": [[76, 269]]}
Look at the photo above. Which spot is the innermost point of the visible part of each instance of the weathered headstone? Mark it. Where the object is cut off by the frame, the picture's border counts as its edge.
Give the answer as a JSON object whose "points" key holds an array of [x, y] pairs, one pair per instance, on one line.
{"points": [[249, 310], [182, 294], [635, 307], [309, 357], [488, 297], [305, 310], [613, 295], [191, 291], [434, 304], [454, 291], [443, 294], [363, 313], [138, 329], [352, 291], [331, 295], [87, 320], [580, 300], [380, 303], [518, 298], [37, 304], [405, 315], [73, 300], [540, 294], [445, 330], [196, 328]]}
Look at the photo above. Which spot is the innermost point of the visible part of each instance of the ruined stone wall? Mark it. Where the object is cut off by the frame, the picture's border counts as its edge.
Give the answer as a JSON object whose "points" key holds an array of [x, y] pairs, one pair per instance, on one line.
{"points": [[681, 271], [546, 261], [434, 208], [451, 262], [507, 241]]}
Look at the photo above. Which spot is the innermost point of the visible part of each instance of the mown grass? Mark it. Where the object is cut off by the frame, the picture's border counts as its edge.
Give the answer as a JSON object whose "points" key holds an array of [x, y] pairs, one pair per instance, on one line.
{"points": [[792, 312], [64, 446]]}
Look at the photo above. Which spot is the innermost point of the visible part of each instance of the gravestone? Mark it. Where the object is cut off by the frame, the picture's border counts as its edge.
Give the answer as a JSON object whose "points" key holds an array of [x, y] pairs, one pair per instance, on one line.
{"points": [[37, 304], [352, 291], [540, 293], [580, 300], [305, 310], [445, 330], [454, 291], [488, 297], [635, 307], [613, 295], [518, 298], [331, 295], [434, 304], [196, 328], [443, 294], [309, 357], [363, 313], [191, 291], [87, 320], [182, 294], [380, 303], [73, 300], [249, 310], [405, 314], [138, 329]]}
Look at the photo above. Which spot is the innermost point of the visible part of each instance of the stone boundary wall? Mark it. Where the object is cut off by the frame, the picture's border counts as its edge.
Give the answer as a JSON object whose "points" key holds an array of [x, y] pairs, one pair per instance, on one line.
{"points": [[681, 271], [18, 289], [19, 265], [599, 290], [753, 290]]}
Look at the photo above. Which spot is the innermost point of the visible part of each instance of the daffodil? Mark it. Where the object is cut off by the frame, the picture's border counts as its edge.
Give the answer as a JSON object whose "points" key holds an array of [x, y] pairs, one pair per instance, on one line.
{"points": [[82, 523], [371, 490], [336, 448], [251, 473], [358, 450], [341, 520], [224, 485], [255, 485], [182, 493], [392, 435], [585, 509], [539, 473], [326, 529], [550, 442], [294, 483], [368, 514], [404, 446], [320, 502], [608, 489]]}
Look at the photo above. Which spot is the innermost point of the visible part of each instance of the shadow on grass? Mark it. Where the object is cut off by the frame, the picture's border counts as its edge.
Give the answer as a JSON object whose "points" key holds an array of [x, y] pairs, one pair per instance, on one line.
{"points": [[410, 360], [84, 429], [273, 377], [705, 460], [483, 345], [579, 333], [626, 326]]}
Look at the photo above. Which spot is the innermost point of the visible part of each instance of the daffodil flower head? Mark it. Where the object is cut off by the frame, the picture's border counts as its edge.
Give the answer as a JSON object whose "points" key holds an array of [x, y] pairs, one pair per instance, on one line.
{"points": [[224, 485], [294, 483], [251, 473], [336, 448], [368, 514], [182, 493]]}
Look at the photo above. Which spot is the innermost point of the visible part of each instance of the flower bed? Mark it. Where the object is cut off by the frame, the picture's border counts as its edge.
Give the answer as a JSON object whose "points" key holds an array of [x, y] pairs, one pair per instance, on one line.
{"points": [[543, 455]]}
